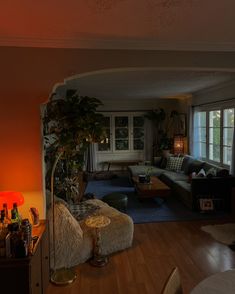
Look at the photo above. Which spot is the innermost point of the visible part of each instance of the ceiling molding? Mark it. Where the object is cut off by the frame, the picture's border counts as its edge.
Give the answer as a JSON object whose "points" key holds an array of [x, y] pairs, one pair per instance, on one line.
{"points": [[109, 43]]}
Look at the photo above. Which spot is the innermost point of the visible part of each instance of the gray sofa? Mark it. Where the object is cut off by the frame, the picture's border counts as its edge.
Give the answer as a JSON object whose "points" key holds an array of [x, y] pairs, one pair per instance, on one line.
{"points": [[215, 184]]}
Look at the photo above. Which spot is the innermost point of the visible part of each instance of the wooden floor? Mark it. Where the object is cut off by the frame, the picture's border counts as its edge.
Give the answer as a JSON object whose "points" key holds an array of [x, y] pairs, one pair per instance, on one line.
{"points": [[156, 249]]}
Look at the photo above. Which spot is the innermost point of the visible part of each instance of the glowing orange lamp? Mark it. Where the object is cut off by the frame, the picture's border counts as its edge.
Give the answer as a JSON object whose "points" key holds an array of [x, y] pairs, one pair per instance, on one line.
{"points": [[9, 198], [178, 144]]}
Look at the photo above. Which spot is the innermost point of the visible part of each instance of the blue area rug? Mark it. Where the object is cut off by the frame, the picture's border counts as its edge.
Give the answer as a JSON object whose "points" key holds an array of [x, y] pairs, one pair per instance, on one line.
{"points": [[148, 210]]}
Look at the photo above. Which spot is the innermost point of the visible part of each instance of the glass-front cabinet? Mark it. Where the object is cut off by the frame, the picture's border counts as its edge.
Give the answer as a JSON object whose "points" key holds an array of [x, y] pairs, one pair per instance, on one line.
{"points": [[124, 132], [138, 132], [121, 132]]}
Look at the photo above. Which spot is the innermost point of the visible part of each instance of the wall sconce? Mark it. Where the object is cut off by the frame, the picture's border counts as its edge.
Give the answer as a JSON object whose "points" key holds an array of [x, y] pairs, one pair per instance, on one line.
{"points": [[178, 144]]}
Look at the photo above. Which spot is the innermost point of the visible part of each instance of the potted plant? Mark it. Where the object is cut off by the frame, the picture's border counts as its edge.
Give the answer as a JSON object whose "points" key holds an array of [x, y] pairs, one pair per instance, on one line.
{"points": [[70, 125], [162, 124]]}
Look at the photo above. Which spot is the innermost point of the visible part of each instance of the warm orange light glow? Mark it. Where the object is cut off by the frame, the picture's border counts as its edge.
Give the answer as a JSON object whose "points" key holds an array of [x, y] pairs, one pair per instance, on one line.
{"points": [[11, 197], [178, 144]]}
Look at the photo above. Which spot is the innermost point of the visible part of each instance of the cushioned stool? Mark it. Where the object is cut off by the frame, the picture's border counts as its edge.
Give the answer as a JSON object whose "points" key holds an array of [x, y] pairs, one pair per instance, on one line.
{"points": [[116, 200]]}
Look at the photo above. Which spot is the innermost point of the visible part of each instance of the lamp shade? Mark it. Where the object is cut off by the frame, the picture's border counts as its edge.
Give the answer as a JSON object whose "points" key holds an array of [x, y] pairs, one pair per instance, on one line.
{"points": [[178, 144], [11, 197]]}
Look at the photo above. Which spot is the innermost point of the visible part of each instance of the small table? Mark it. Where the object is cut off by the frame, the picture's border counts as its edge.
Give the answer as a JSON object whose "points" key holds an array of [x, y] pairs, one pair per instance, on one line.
{"points": [[98, 222], [220, 283], [156, 188]]}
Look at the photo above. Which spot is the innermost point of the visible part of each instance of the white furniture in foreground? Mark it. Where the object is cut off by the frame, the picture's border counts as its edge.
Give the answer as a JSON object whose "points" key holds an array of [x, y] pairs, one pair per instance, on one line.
{"points": [[220, 283]]}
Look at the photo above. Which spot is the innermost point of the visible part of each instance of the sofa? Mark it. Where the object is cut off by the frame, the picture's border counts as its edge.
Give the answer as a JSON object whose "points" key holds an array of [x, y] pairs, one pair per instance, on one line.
{"points": [[191, 180], [74, 241]]}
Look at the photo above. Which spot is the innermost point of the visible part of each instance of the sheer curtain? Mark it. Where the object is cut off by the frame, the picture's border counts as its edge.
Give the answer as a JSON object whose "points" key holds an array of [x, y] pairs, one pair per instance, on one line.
{"points": [[91, 160], [148, 138], [232, 166]]}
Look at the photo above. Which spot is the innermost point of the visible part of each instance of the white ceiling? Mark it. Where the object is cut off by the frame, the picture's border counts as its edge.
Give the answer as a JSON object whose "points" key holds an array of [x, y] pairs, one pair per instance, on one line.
{"points": [[196, 25]]}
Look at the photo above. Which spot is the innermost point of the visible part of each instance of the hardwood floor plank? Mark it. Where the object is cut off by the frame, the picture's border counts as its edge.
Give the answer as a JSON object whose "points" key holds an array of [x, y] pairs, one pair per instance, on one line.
{"points": [[157, 248]]}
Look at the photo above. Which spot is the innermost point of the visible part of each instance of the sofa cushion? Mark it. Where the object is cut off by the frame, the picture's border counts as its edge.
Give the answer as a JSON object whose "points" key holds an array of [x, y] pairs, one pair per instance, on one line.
{"points": [[186, 162], [136, 170], [170, 177], [196, 166], [174, 163]]}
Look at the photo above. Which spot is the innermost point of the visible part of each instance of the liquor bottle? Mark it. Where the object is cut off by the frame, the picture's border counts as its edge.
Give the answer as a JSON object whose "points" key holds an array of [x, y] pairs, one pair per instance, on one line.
{"points": [[13, 216], [4, 236], [7, 219], [18, 216]]}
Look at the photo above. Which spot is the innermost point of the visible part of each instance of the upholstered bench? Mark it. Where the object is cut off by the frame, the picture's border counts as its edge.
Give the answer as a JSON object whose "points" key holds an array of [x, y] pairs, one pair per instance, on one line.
{"points": [[116, 200]]}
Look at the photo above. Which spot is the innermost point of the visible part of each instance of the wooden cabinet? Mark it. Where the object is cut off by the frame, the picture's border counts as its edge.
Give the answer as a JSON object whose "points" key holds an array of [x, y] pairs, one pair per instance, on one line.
{"points": [[28, 275]]}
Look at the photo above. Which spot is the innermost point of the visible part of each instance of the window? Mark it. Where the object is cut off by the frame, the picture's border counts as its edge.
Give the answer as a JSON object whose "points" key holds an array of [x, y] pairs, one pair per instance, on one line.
{"points": [[228, 127], [200, 134], [213, 134], [105, 145], [125, 132]]}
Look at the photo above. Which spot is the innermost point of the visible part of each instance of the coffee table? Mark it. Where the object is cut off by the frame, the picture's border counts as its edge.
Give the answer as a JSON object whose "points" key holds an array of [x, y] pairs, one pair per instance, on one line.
{"points": [[156, 188]]}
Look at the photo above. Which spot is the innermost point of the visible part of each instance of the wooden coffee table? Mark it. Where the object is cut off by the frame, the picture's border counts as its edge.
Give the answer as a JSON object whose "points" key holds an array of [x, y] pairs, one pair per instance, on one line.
{"points": [[156, 188]]}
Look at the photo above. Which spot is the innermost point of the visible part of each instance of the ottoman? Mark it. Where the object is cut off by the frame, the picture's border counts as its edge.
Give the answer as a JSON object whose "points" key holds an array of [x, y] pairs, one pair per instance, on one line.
{"points": [[116, 200]]}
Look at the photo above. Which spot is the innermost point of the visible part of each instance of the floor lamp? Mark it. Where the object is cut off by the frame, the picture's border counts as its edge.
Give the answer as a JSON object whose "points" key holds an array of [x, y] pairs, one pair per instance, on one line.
{"points": [[63, 276]]}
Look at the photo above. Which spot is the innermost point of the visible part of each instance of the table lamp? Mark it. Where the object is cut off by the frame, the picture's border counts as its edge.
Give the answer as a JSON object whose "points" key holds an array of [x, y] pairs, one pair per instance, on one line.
{"points": [[9, 198], [178, 144]]}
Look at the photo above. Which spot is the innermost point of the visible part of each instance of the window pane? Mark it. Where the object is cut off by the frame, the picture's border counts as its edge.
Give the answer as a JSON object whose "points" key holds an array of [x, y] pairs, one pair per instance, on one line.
{"points": [[121, 133], [138, 144], [228, 136], [200, 119], [138, 133], [202, 134], [227, 155], [121, 121], [214, 152], [202, 150], [229, 117], [105, 144], [121, 145], [214, 118], [138, 121], [214, 136]]}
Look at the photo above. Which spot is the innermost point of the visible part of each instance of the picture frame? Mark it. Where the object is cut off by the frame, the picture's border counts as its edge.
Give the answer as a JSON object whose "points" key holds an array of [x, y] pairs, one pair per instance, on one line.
{"points": [[206, 204]]}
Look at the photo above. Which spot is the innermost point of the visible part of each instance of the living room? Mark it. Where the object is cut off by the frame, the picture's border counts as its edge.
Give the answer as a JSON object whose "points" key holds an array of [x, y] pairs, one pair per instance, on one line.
{"points": [[36, 59]]}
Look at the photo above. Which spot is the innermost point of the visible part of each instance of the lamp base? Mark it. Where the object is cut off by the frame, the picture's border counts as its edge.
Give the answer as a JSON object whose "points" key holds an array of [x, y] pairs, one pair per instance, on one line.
{"points": [[63, 277], [99, 261]]}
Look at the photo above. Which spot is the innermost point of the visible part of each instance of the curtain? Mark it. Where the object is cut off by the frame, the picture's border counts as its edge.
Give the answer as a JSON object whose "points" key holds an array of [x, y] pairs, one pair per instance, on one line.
{"points": [[148, 141], [232, 165], [91, 162]]}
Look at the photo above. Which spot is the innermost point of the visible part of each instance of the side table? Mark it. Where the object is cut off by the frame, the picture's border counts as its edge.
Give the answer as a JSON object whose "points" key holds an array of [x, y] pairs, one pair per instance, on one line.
{"points": [[98, 222]]}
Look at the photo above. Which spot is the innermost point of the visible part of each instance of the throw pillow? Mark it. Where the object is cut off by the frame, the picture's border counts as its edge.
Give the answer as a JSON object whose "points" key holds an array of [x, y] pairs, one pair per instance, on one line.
{"points": [[174, 163], [195, 166], [211, 172], [222, 173], [82, 210], [201, 173]]}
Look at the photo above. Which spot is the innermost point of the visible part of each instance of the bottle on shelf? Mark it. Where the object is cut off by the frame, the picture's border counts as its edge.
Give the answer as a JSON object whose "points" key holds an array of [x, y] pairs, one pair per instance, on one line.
{"points": [[4, 236], [18, 216]]}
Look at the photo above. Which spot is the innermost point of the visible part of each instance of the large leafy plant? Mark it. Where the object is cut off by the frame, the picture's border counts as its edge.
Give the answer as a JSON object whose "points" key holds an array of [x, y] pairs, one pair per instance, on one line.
{"points": [[70, 125], [162, 123]]}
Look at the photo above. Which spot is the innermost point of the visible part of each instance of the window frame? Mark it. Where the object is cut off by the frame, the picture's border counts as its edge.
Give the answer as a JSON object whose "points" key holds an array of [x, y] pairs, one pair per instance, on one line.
{"points": [[207, 109]]}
